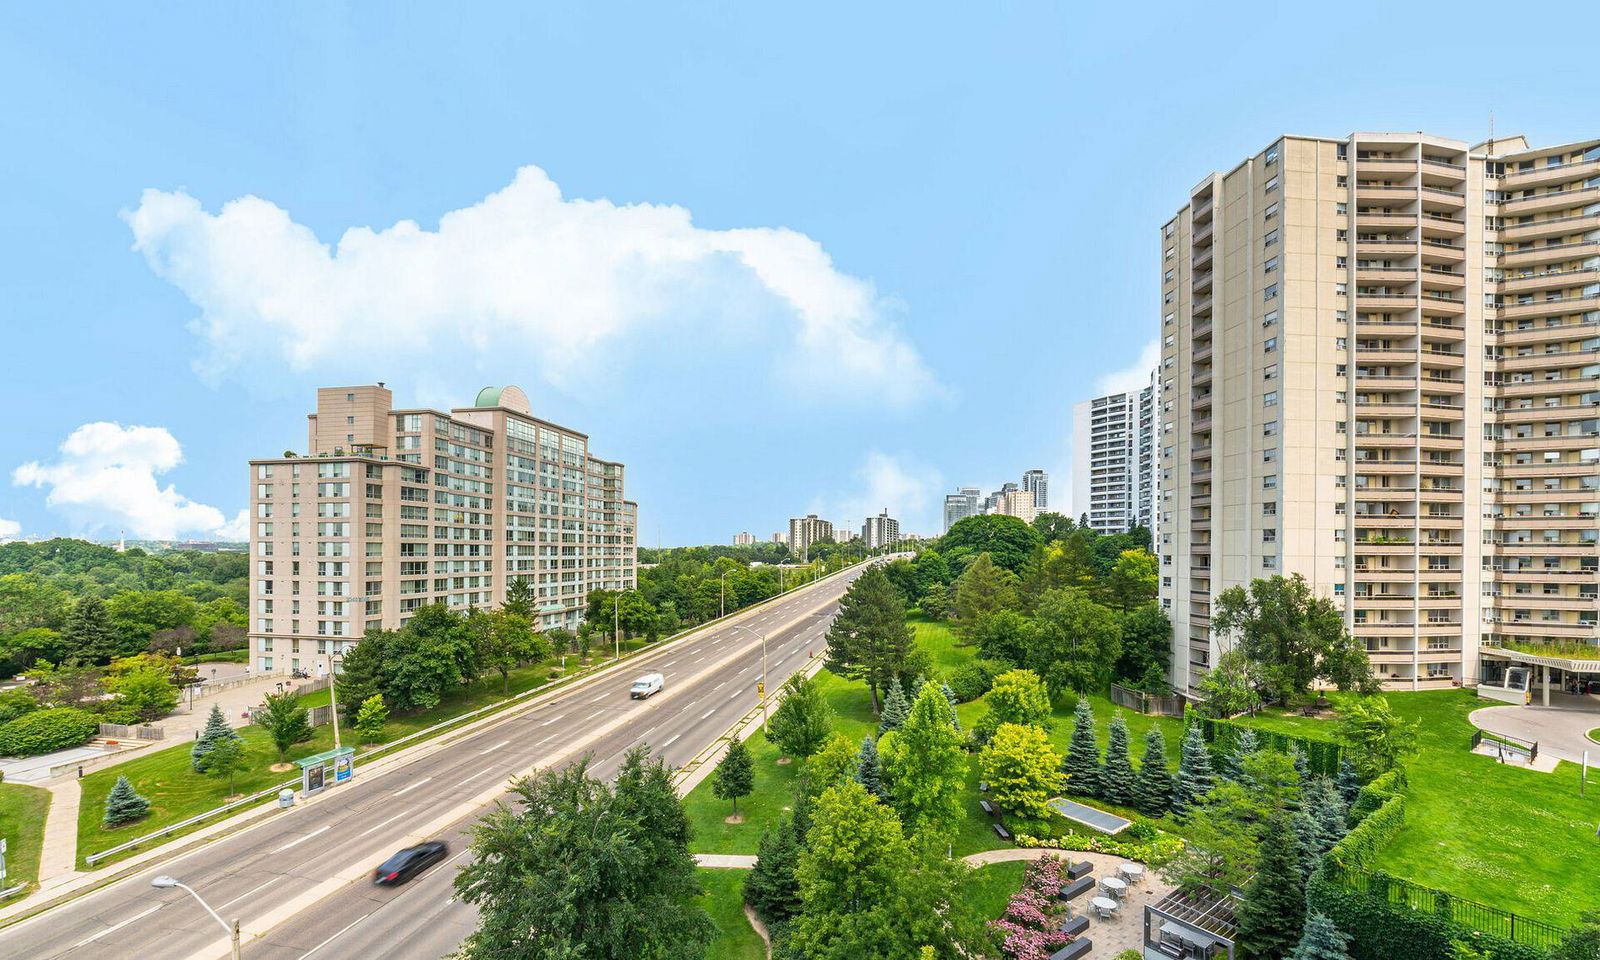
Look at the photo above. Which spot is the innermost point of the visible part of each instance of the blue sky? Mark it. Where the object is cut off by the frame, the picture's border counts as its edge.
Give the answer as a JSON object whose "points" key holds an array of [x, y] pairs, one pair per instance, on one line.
{"points": [[832, 257]]}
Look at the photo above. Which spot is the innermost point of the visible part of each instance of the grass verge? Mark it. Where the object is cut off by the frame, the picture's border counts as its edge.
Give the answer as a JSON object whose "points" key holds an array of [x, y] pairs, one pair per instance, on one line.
{"points": [[22, 814], [736, 939]]}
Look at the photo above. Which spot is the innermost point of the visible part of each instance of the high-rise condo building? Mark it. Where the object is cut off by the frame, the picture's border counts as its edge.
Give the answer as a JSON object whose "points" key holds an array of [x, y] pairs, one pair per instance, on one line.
{"points": [[880, 531], [963, 503], [1113, 460], [743, 539], [806, 530], [1037, 483], [390, 510], [1380, 369], [1014, 502]]}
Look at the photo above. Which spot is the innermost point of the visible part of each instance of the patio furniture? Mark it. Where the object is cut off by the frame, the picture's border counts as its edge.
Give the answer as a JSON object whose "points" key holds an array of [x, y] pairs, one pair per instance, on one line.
{"points": [[987, 808], [1075, 926], [1001, 832], [1116, 886], [1072, 951], [1080, 870], [983, 786], [1104, 907], [1131, 872], [1076, 888]]}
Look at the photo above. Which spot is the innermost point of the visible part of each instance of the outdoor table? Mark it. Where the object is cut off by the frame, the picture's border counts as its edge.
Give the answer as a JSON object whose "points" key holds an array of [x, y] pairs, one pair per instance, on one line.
{"points": [[1103, 905], [1131, 872], [1116, 886]]}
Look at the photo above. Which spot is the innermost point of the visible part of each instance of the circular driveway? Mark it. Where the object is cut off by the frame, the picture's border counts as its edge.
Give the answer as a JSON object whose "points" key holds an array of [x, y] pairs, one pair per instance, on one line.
{"points": [[1561, 729]]}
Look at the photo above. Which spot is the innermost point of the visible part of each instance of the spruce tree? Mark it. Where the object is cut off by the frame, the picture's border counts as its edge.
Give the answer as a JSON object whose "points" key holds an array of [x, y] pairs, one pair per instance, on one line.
{"points": [[869, 771], [895, 708], [1152, 791], [1117, 776], [735, 776], [216, 730], [123, 805], [950, 695], [771, 887], [1272, 914], [1302, 766], [88, 633], [1348, 782], [1195, 776], [1245, 743], [1321, 941], [1082, 762], [1332, 812]]}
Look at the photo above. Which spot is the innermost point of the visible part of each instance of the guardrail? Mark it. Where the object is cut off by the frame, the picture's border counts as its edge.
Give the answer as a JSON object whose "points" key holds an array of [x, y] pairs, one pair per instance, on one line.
{"points": [[686, 776], [93, 858], [1505, 744]]}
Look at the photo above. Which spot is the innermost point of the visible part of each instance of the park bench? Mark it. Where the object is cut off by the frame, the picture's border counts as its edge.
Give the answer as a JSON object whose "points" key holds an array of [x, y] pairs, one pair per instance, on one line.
{"points": [[1075, 926], [1080, 870], [1001, 832], [1077, 948], [1077, 888], [988, 808]]}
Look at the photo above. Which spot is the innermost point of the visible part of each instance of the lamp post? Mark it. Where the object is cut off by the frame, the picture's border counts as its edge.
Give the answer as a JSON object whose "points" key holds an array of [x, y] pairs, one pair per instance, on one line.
{"points": [[333, 698], [763, 638], [722, 593], [165, 882]]}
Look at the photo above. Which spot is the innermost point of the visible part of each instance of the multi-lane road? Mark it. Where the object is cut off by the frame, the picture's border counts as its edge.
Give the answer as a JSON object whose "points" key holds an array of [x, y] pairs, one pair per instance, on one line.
{"points": [[299, 880]]}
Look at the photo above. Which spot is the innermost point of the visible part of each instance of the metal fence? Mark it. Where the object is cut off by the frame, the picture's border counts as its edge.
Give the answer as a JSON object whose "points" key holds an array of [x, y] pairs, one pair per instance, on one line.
{"points": [[1138, 700], [1506, 745], [1403, 894], [117, 731]]}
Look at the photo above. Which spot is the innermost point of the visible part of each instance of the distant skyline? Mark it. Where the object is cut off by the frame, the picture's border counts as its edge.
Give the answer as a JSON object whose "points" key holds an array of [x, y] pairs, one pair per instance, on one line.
{"points": [[773, 265]]}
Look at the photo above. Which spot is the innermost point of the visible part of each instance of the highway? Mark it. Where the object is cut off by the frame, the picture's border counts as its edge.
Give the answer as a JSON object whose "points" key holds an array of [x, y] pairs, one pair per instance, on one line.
{"points": [[300, 880]]}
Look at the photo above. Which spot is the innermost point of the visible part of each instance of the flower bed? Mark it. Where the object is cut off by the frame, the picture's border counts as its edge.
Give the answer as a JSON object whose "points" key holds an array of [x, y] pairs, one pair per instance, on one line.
{"points": [[1030, 929], [1163, 845]]}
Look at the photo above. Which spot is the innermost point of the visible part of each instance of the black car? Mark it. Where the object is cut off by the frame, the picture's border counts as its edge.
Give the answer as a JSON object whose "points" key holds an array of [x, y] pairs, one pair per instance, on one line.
{"points": [[409, 862]]}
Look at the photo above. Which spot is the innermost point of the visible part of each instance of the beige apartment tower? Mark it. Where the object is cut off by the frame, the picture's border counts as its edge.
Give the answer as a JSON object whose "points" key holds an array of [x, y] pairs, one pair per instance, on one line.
{"points": [[1380, 369], [390, 510]]}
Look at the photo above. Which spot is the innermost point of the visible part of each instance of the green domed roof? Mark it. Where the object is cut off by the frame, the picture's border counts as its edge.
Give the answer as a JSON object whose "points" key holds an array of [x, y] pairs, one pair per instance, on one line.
{"points": [[488, 397]]}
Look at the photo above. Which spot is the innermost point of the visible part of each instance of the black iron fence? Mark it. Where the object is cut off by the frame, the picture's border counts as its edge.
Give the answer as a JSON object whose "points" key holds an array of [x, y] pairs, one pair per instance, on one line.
{"points": [[1400, 894]]}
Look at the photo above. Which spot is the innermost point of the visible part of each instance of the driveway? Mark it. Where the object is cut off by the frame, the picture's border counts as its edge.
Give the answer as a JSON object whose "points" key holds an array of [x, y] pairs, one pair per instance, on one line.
{"points": [[1561, 728]]}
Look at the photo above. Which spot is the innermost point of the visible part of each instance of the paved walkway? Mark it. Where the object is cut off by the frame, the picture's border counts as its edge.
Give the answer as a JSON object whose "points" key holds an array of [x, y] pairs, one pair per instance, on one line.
{"points": [[1561, 728], [58, 853], [234, 701]]}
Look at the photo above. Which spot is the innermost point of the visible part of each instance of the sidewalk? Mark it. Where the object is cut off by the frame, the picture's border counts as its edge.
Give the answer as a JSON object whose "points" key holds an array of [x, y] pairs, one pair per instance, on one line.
{"points": [[183, 724], [58, 854]]}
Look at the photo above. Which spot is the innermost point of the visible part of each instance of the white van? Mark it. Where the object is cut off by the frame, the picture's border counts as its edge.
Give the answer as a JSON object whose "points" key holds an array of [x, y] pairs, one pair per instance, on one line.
{"points": [[646, 685]]}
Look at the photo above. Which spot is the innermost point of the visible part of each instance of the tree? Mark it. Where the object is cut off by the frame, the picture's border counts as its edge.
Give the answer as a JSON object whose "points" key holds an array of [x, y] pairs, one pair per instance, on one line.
{"points": [[579, 869], [935, 602], [1234, 763], [1009, 540], [1146, 648], [88, 633], [225, 759], [771, 887], [123, 805], [371, 717], [853, 856], [1022, 768], [144, 691], [835, 763], [215, 732], [950, 697], [1074, 643], [1117, 775], [981, 590], [869, 769], [926, 766], [1229, 687], [1060, 565], [1195, 777], [1017, 696], [519, 597], [803, 720], [1132, 580], [1375, 740], [1225, 829], [1321, 940], [870, 639], [1272, 914], [1152, 790], [284, 720], [362, 670], [1583, 942], [1347, 783], [1294, 636], [69, 685], [1053, 526], [895, 708], [504, 640], [1003, 635], [137, 614], [735, 775], [1082, 763]]}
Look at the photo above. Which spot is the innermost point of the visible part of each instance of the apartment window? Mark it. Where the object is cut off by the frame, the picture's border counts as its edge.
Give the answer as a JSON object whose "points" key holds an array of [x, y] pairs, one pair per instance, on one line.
{"points": [[1271, 266], [1269, 563], [1269, 455], [349, 420], [1271, 155], [1270, 185], [1269, 372], [1166, 321], [1341, 288], [1269, 345], [1167, 277], [1341, 343], [1269, 535], [1341, 208], [1269, 481], [1270, 239], [1271, 213], [349, 398], [1270, 291], [1270, 319], [1341, 262], [1269, 429], [1269, 508]]}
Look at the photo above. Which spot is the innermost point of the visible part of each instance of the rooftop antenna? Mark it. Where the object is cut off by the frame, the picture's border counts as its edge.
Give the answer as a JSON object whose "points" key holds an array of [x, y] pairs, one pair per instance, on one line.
{"points": [[1491, 133]]}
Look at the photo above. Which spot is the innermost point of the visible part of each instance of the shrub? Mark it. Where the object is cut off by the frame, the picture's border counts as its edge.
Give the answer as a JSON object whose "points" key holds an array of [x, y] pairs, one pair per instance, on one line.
{"points": [[123, 805], [46, 730], [972, 680]]}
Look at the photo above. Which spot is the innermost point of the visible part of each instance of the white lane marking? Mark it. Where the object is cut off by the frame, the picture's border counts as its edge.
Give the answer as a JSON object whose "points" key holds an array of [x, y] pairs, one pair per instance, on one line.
{"points": [[483, 753], [719, 686], [241, 896], [698, 659], [475, 776], [324, 943], [299, 840], [545, 740], [734, 695], [378, 826], [673, 740], [707, 714], [601, 697], [115, 927], [550, 721], [413, 786]]}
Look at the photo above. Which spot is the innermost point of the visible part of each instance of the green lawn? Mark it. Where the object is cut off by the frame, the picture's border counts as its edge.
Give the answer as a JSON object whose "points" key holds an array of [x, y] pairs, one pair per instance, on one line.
{"points": [[22, 813], [1502, 835], [736, 939], [1595, 734], [940, 643], [989, 888], [1295, 725]]}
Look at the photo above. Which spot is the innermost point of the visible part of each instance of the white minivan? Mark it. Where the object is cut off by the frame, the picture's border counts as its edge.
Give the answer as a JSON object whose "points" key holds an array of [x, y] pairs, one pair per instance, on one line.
{"points": [[646, 685]]}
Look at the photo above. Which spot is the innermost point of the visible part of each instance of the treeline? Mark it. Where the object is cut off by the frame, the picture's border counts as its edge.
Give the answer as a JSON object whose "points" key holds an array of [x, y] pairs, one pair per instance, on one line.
{"points": [[73, 602]]}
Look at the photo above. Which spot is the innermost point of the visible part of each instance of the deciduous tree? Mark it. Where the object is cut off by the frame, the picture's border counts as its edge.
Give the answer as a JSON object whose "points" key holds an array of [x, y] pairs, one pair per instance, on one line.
{"points": [[1375, 740], [984, 588], [1017, 696], [1022, 768], [371, 717], [735, 775], [1294, 635], [284, 720], [926, 766], [803, 720], [1074, 642]]}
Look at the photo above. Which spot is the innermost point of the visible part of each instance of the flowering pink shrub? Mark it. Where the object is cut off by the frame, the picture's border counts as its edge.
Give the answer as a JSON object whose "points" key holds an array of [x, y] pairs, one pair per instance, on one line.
{"points": [[1030, 927]]}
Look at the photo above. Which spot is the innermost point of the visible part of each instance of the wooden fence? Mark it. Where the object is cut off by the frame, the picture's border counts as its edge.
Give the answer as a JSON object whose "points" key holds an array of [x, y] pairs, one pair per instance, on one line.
{"points": [[117, 731]]}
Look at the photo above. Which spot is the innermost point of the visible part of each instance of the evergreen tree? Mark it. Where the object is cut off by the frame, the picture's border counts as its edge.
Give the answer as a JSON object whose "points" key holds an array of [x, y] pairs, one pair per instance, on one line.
{"points": [[1321, 940], [1245, 742], [1117, 776], [216, 730], [88, 634], [1302, 766], [1272, 913], [1195, 777], [869, 770], [950, 695], [870, 639], [123, 805], [895, 708], [1152, 791], [1348, 783], [771, 887], [735, 776], [804, 804], [1332, 812], [1082, 762]]}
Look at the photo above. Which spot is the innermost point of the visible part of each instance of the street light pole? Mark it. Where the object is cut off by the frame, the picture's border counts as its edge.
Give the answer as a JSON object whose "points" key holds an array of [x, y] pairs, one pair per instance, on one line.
{"points": [[763, 637], [333, 699], [722, 593], [165, 882]]}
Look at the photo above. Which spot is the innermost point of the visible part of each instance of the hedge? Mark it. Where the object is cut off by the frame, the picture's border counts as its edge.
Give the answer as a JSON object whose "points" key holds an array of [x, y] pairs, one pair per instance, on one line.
{"points": [[44, 731], [1154, 851], [1321, 755]]}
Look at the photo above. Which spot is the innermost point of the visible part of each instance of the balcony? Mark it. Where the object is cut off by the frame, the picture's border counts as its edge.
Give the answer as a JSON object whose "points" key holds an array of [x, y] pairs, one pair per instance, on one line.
{"points": [[1401, 248], [1550, 253], [1545, 176], [1547, 280], [1548, 305], [1556, 227], [1540, 333], [1546, 202]]}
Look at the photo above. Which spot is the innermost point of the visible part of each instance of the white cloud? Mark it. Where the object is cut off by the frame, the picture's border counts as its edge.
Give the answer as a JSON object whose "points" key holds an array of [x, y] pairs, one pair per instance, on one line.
{"points": [[525, 276], [105, 479], [9, 529], [912, 492], [1134, 378]]}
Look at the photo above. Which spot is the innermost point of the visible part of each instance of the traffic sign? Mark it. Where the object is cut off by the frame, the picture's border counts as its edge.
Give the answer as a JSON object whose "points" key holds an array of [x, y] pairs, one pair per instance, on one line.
{"points": [[761, 689]]}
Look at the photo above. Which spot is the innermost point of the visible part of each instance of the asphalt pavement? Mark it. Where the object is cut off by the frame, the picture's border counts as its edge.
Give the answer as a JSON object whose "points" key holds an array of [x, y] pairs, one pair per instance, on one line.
{"points": [[299, 881]]}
